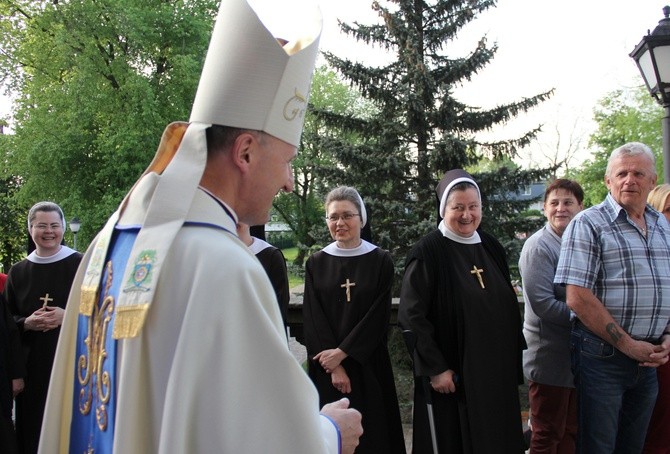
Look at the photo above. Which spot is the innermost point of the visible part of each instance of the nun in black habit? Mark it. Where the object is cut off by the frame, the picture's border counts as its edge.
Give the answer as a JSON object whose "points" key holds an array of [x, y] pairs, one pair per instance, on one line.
{"points": [[346, 311], [273, 261], [457, 299]]}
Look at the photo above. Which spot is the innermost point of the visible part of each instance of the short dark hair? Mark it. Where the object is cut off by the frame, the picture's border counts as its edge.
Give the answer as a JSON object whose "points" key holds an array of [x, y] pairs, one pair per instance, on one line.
{"points": [[222, 137], [569, 185]]}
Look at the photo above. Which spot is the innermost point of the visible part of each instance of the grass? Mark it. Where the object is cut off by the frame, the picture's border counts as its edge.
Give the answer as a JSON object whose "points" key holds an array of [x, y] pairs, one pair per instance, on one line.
{"points": [[290, 254]]}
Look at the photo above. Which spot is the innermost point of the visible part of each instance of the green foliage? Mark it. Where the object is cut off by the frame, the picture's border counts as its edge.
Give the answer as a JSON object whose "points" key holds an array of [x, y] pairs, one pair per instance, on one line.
{"points": [[418, 128], [503, 214], [303, 209], [95, 84], [282, 240], [622, 116], [12, 218]]}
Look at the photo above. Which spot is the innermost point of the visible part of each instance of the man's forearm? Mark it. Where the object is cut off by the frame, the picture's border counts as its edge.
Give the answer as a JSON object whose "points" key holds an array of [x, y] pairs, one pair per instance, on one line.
{"points": [[595, 316]]}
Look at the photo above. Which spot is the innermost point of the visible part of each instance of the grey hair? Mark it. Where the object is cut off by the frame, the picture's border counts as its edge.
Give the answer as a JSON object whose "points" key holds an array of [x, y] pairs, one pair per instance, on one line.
{"points": [[631, 149], [349, 194], [45, 207], [462, 186]]}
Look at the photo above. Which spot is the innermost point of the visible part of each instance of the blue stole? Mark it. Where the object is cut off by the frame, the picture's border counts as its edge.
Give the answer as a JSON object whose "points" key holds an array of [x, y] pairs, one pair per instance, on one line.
{"points": [[94, 402]]}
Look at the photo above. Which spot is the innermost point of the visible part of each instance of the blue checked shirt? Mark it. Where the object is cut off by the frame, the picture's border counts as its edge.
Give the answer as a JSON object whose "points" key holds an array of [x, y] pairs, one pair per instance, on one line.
{"points": [[604, 251]]}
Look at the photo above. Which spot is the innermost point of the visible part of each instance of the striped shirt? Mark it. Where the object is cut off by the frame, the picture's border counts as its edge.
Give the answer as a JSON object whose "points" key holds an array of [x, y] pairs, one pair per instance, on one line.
{"points": [[604, 251]]}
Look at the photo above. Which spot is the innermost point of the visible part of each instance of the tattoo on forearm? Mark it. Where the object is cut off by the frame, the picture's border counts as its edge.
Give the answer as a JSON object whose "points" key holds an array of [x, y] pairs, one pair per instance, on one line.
{"points": [[614, 333]]}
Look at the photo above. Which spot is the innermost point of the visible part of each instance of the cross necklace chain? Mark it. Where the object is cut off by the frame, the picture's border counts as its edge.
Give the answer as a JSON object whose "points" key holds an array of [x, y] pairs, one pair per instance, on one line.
{"points": [[642, 226]]}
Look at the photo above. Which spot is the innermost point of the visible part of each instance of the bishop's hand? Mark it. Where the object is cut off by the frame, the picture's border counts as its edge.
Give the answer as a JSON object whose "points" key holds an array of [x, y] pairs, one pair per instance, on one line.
{"points": [[348, 421]]}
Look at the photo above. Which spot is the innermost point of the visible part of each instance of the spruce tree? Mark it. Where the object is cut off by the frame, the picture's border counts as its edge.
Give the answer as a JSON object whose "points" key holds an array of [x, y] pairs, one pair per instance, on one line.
{"points": [[420, 129]]}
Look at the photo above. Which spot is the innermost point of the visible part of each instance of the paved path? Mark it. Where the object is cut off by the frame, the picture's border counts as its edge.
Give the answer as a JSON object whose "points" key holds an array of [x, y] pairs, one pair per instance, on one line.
{"points": [[297, 349]]}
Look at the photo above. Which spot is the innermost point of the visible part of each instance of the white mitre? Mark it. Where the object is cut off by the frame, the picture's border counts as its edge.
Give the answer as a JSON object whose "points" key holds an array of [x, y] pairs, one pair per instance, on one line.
{"points": [[249, 81]]}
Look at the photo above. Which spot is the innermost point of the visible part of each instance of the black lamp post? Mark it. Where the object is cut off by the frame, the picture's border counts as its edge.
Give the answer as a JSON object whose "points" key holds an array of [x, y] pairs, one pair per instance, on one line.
{"points": [[75, 225], [652, 56]]}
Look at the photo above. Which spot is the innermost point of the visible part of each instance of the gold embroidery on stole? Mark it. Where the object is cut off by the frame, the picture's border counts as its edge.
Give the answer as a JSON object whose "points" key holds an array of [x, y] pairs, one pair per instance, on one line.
{"points": [[91, 364]]}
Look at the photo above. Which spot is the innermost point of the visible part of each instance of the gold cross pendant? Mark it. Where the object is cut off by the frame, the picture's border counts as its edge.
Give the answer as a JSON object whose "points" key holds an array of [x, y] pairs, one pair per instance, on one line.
{"points": [[46, 300], [478, 272], [348, 286]]}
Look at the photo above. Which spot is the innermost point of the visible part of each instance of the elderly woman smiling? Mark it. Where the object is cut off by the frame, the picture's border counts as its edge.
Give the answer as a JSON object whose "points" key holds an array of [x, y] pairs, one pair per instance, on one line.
{"points": [[457, 299]]}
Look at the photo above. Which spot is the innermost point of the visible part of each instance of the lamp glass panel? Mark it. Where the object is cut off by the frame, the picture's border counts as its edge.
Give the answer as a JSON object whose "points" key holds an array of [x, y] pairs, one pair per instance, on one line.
{"points": [[647, 68], [662, 56]]}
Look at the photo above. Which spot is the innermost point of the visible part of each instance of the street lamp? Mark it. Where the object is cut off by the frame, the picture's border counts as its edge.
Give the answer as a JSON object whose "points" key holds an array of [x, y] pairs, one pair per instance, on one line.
{"points": [[652, 56], [75, 225]]}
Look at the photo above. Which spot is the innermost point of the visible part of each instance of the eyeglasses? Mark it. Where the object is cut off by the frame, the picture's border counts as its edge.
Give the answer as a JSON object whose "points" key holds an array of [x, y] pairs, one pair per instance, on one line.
{"points": [[53, 226], [345, 217]]}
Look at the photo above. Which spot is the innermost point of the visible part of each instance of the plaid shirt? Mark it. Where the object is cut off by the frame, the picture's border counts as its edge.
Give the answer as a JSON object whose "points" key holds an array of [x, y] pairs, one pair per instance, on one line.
{"points": [[604, 251]]}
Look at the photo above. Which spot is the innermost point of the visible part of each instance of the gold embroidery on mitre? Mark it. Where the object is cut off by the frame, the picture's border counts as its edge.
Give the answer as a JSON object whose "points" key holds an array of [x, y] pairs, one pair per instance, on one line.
{"points": [[295, 106], [129, 321], [91, 372]]}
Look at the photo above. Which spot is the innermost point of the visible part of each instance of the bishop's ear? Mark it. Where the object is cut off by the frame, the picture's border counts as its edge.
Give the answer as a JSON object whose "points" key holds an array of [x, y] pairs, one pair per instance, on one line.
{"points": [[244, 146]]}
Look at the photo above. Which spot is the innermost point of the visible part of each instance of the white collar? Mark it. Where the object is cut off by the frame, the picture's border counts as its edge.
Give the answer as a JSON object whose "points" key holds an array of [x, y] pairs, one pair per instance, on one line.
{"points": [[257, 245], [363, 248], [232, 212], [453, 236], [64, 252]]}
